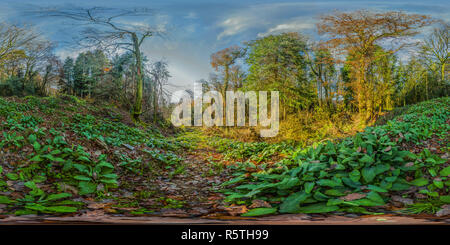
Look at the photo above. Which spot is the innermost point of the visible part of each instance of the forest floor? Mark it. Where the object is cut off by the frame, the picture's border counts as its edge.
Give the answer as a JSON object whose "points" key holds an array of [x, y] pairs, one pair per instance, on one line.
{"points": [[60, 164], [203, 205]]}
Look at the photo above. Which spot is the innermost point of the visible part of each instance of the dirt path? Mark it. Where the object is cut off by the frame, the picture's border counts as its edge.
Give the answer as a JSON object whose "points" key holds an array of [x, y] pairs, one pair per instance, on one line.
{"points": [[196, 186], [286, 219]]}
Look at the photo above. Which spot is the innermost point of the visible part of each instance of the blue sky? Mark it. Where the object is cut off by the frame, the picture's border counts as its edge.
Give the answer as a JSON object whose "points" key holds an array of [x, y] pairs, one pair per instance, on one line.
{"points": [[197, 28]]}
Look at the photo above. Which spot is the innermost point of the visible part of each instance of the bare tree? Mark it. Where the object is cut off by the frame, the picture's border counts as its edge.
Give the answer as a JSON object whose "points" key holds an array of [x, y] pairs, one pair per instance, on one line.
{"points": [[106, 28], [436, 48], [224, 59], [159, 75], [51, 75], [12, 41], [38, 53]]}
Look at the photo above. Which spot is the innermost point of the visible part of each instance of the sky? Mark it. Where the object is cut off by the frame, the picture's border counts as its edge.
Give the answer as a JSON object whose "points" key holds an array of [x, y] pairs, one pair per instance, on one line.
{"points": [[194, 29]]}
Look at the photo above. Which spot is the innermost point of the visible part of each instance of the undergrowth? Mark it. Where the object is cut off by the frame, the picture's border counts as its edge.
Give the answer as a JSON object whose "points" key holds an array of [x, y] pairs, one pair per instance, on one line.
{"points": [[354, 174]]}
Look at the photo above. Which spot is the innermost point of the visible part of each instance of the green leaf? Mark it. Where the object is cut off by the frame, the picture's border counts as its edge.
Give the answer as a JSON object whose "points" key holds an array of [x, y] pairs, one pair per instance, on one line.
{"points": [[319, 196], [309, 186], [30, 184], [110, 176], [35, 206], [12, 176], [58, 159], [104, 164], [260, 211], [24, 212], [376, 188], [333, 202], [39, 178], [36, 146], [445, 172], [36, 158], [58, 196], [432, 172], [419, 182], [381, 168], [5, 200], [334, 192], [233, 196], [366, 159], [36, 192], [375, 197], [364, 202], [109, 181], [55, 152], [83, 158], [87, 188], [351, 183], [81, 167], [368, 174], [82, 178], [292, 203], [233, 181], [61, 209], [317, 208], [32, 138], [288, 183], [438, 184], [400, 187], [355, 175], [445, 199], [329, 182]]}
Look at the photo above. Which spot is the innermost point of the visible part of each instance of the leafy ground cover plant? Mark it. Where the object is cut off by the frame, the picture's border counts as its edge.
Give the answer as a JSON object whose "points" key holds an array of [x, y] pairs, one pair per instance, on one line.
{"points": [[251, 151], [357, 173], [49, 150]]}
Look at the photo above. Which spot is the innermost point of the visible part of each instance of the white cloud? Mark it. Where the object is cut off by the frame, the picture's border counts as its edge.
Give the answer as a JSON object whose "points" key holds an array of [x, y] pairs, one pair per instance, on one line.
{"points": [[292, 26], [237, 24], [67, 52], [262, 16], [158, 23], [191, 15]]}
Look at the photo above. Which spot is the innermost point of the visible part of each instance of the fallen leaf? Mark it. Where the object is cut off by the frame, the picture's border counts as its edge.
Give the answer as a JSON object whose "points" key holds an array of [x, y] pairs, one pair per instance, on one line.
{"points": [[97, 205], [68, 188], [174, 213], [236, 210], [445, 210], [353, 196], [94, 213], [405, 201], [420, 196], [260, 204], [97, 153]]}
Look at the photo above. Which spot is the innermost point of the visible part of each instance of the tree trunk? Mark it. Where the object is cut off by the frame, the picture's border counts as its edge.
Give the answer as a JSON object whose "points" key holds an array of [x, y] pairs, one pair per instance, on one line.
{"points": [[442, 73], [137, 108], [155, 103]]}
